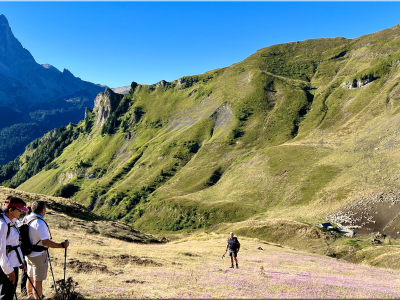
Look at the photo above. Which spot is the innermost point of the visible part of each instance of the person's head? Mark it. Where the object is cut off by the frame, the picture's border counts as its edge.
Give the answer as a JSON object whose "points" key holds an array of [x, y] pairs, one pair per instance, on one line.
{"points": [[39, 207], [13, 207], [231, 235]]}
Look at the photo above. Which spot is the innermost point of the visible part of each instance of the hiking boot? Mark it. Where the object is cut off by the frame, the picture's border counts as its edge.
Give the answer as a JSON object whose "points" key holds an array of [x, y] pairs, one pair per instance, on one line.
{"points": [[237, 266], [232, 267]]}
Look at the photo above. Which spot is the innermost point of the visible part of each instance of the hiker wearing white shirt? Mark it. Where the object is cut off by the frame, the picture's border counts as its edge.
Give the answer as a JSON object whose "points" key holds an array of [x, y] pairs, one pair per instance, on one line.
{"points": [[10, 253], [37, 261]]}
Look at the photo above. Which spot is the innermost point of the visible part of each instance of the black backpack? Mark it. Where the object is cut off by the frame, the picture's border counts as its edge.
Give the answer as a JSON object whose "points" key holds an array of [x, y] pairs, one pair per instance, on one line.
{"points": [[24, 241], [233, 244]]}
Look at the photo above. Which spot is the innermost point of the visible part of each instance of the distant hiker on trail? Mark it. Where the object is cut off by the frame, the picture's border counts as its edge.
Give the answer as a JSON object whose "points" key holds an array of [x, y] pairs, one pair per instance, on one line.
{"points": [[37, 260], [233, 247], [9, 245]]}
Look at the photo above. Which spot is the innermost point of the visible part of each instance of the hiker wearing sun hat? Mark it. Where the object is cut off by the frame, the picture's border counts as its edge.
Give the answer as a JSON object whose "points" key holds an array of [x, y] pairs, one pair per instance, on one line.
{"points": [[9, 246]]}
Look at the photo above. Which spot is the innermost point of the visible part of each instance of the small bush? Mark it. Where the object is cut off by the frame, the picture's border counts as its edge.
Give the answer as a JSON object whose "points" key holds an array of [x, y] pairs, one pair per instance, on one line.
{"points": [[66, 290], [66, 191]]}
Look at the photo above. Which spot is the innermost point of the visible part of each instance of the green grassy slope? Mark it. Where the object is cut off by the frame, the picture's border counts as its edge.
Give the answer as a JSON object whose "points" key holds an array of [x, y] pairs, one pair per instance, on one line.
{"points": [[278, 135]]}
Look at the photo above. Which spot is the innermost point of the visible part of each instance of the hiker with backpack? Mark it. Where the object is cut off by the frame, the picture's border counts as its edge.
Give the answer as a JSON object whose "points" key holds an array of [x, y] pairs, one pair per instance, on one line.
{"points": [[36, 250], [233, 247], [10, 252], [24, 276]]}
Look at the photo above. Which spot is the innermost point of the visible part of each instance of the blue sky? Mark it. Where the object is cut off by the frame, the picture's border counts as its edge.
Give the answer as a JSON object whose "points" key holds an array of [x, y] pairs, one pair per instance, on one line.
{"points": [[115, 43]]}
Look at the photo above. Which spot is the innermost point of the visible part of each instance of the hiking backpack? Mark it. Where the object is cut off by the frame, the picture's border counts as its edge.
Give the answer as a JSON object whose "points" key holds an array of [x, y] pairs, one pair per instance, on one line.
{"points": [[24, 241], [233, 244]]}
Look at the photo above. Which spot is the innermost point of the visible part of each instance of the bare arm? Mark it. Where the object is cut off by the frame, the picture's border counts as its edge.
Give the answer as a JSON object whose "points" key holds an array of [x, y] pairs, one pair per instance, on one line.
{"points": [[51, 244]]}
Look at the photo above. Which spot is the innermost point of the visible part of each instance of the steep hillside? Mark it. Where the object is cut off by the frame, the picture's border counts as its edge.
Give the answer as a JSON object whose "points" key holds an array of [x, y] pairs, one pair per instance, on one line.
{"points": [[294, 131], [35, 98], [65, 214]]}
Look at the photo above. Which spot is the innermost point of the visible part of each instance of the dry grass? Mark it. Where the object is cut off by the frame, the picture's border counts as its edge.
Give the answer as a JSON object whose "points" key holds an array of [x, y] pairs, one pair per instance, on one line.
{"points": [[192, 268]]}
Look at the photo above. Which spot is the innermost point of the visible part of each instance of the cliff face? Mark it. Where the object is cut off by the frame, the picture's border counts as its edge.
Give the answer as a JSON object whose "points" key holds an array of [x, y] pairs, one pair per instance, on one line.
{"points": [[34, 96], [104, 104]]}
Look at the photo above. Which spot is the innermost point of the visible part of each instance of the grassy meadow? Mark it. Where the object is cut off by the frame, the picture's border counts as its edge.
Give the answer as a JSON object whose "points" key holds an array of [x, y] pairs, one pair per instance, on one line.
{"points": [[278, 259], [192, 267]]}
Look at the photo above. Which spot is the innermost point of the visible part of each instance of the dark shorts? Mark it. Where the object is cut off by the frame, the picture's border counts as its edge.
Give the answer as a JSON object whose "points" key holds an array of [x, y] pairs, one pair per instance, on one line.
{"points": [[7, 287], [232, 253]]}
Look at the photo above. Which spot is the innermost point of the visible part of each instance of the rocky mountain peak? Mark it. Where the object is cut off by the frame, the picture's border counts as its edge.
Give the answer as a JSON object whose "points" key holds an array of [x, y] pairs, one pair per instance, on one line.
{"points": [[3, 20], [12, 53], [34, 98], [67, 75]]}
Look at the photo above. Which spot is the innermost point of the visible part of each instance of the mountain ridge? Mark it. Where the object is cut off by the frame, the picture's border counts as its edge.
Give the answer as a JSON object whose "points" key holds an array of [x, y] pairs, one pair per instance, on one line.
{"points": [[290, 132], [28, 90]]}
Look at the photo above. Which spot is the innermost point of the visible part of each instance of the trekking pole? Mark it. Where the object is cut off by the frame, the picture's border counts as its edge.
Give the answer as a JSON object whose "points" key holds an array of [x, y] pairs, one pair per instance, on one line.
{"points": [[65, 269], [51, 268], [15, 291], [65, 261], [33, 285], [27, 275]]}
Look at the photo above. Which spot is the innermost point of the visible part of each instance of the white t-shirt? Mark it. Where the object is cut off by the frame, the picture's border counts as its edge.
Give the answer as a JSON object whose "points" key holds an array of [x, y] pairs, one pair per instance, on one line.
{"points": [[7, 263], [38, 231]]}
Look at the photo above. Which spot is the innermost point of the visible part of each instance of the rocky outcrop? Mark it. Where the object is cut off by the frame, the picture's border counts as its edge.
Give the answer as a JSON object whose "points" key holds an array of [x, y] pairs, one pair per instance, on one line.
{"points": [[134, 85], [395, 63], [377, 211], [222, 115], [161, 83], [104, 104], [181, 81], [66, 177], [48, 136], [363, 81], [90, 176], [87, 111]]}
